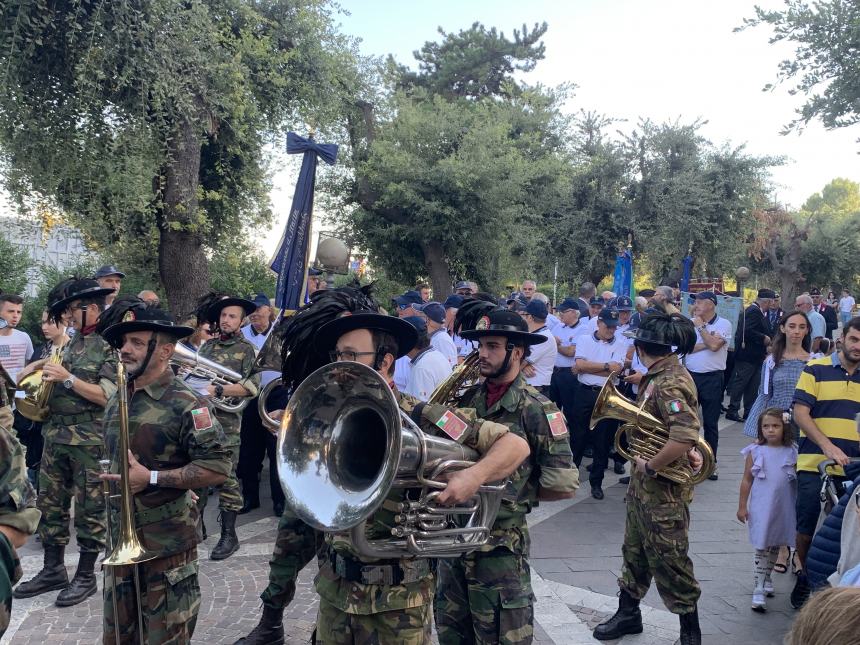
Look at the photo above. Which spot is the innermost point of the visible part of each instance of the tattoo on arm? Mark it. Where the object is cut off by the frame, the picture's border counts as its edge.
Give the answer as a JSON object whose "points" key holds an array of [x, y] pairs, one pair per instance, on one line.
{"points": [[188, 477]]}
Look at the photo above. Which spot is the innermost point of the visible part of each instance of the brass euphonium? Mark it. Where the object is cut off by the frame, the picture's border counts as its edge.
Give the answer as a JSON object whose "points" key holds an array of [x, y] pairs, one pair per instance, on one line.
{"points": [[191, 364], [344, 444], [269, 358], [647, 435], [37, 391], [448, 392]]}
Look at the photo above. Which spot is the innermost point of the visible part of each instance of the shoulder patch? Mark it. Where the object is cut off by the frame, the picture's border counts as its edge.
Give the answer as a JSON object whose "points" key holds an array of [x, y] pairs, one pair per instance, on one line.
{"points": [[674, 406], [557, 426], [202, 418], [452, 425]]}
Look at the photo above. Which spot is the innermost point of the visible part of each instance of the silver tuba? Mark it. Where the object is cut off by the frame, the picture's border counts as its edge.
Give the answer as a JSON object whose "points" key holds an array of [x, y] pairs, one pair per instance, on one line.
{"points": [[269, 358], [345, 444], [191, 365]]}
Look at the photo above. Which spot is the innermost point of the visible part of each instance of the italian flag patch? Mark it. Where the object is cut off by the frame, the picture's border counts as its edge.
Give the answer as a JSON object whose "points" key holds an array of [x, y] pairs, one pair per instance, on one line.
{"points": [[202, 419], [557, 426], [674, 406], [452, 425]]}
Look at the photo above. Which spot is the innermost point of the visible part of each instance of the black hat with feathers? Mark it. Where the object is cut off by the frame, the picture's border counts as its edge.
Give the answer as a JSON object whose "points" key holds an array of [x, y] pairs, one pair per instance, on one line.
{"points": [[472, 310], [299, 355]]}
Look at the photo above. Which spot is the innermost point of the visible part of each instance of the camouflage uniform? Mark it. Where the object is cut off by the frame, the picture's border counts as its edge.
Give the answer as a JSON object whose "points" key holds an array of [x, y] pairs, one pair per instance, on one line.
{"points": [[170, 426], [7, 394], [356, 613], [18, 510], [237, 354], [658, 513], [73, 447], [486, 596]]}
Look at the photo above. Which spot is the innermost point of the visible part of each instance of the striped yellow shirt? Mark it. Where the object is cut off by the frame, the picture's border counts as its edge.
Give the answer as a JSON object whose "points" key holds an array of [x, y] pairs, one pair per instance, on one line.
{"points": [[833, 398]]}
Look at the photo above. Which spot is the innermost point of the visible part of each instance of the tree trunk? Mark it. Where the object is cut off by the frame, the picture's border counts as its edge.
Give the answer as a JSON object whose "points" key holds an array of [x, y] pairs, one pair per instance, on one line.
{"points": [[437, 267], [182, 263]]}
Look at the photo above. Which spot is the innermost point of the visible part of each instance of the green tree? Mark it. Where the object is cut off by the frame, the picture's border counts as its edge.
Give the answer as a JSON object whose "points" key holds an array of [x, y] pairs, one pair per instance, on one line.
{"points": [[242, 270], [14, 263], [826, 67], [454, 173], [145, 123]]}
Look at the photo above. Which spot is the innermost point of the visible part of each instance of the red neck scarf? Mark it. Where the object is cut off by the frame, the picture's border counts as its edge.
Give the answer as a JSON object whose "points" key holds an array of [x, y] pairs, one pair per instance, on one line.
{"points": [[89, 329], [495, 391]]}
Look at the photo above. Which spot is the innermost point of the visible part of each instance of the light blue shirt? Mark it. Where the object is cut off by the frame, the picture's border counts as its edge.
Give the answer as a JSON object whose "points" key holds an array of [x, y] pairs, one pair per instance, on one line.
{"points": [[819, 325]]}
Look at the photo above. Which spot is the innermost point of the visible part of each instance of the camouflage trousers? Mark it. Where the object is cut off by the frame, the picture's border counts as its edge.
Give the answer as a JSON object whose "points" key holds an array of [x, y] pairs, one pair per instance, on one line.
{"points": [[10, 573], [655, 545], [229, 493], [68, 470], [295, 546], [485, 597], [169, 599], [402, 626]]}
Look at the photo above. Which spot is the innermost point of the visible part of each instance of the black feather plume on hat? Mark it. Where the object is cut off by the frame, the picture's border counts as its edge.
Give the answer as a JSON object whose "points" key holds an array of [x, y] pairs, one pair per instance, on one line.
{"points": [[56, 294], [298, 356], [117, 312], [204, 308], [472, 310]]}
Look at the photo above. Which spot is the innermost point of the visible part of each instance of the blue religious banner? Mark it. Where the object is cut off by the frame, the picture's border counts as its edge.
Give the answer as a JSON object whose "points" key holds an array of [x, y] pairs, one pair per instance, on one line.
{"points": [[622, 283], [291, 259], [686, 271]]}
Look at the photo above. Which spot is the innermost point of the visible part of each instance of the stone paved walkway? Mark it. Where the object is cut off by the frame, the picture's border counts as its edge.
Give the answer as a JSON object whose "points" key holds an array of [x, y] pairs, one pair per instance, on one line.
{"points": [[576, 557]]}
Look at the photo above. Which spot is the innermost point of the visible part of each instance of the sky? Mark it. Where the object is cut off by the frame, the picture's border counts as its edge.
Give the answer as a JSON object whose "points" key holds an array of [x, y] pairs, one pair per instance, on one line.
{"points": [[660, 59]]}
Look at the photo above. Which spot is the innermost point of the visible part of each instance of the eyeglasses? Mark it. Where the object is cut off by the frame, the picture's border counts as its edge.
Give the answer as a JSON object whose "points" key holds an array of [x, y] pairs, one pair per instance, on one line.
{"points": [[347, 355], [78, 307]]}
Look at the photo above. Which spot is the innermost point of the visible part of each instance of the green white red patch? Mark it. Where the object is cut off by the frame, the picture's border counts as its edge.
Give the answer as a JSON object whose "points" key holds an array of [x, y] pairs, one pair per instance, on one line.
{"points": [[674, 406], [483, 323], [557, 426], [202, 418], [452, 425]]}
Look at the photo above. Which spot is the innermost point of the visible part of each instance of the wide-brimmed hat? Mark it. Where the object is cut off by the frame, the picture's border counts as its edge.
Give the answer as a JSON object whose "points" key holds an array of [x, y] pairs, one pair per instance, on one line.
{"points": [[145, 319], [78, 290], [232, 301], [503, 322], [106, 270], [404, 334]]}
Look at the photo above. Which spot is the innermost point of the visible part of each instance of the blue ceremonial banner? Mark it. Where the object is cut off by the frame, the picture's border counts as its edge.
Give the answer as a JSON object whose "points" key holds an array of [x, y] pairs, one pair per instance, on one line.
{"points": [[686, 271], [622, 283], [291, 259]]}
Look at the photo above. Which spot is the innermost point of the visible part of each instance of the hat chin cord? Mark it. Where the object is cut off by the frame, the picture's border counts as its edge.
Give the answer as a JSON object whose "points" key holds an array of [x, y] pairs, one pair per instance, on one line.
{"points": [[505, 363], [150, 348]]}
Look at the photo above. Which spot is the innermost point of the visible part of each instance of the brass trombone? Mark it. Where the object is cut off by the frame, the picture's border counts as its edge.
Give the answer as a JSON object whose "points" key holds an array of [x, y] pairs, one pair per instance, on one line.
{"points": [[127, 549]]}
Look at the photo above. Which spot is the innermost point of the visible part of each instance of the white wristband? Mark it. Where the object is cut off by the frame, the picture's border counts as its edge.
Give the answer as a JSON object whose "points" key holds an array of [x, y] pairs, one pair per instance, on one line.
{"points": [[153, 478]]}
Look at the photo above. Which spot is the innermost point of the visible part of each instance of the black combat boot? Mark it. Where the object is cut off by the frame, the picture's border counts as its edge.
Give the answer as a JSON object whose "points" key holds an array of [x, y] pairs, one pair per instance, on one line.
{"points": [[52, 576], [627, 620], [83, 585], [269, 631], [229, 542], [250, 495], [690, 632]]}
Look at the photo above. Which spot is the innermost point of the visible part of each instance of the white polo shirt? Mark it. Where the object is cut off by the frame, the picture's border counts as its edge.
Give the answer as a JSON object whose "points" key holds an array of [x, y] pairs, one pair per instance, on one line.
{"points": [[568, 336], [553, 321], [542, 358], [428, 369], [464, 347], [706, 360], [589, 348], [257, 340], [402, 367], [442, 343]]}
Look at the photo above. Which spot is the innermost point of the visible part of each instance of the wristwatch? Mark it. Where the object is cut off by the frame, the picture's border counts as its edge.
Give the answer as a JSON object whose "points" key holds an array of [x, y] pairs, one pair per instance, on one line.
{"points": [[69, 383], [606, 367], [153, 478], [650, 471], [219, 391]]}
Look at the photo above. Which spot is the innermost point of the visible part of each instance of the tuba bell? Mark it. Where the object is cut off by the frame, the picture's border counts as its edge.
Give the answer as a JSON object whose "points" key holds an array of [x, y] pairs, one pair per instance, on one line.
{"points": [[37, 392], [191, 365], [345, 445], [269, 358], [646, 435]]}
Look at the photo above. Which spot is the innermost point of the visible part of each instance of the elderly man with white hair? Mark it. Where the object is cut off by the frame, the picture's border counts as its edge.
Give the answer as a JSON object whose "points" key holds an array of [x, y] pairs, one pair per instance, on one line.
{"points": [[805, 304]]}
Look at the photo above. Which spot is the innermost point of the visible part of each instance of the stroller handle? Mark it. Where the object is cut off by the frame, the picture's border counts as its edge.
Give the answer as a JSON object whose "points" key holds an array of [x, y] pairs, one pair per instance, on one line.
{"points": [[829, 463]]}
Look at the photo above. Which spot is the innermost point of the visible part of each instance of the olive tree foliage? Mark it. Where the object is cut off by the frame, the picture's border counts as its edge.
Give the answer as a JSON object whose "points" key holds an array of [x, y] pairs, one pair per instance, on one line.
{"points": [[14, 263], [825, 70], [145, 123], [455, 167]]}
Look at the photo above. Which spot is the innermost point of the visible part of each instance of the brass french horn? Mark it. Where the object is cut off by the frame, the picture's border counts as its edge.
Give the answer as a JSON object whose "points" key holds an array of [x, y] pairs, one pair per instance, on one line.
{"points": [[37, 392], [646, 435]]}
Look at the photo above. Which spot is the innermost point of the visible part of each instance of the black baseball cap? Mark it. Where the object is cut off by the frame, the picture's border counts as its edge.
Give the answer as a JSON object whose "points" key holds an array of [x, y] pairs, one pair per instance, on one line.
{"points": [[707, 295], [609, 317]]}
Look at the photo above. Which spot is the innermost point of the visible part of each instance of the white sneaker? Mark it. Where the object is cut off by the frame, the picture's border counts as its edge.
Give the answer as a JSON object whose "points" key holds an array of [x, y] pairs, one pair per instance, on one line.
{"points": [[758, 602], [768, 588]]}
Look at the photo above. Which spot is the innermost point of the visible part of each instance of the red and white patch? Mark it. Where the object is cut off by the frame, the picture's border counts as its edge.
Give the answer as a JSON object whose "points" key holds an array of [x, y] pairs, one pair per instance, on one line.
{"points": [[202, 418], [452, 425], [557, 426], [483, 323]]}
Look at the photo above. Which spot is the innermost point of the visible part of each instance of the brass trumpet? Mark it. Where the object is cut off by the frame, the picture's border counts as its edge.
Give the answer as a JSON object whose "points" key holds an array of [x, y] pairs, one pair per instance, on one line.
{"points": [[646, 435]]}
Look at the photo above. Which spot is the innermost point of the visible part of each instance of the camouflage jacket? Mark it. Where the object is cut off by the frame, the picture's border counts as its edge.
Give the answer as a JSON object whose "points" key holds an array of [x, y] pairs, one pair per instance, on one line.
{"points": [[355, 598], [170, 426], [7, 395], [550, 465], [75, 420], [668, 392], [237, 354], [18, 510]]}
